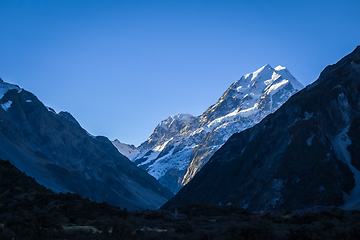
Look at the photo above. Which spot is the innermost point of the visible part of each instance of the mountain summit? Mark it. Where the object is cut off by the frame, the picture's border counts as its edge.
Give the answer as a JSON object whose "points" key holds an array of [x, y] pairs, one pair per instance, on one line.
{"points": [[182, 144], [305, 154]]}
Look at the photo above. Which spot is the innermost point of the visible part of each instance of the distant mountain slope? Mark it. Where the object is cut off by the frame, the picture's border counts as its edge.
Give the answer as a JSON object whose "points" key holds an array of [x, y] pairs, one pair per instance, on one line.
{"points": [[182, 144], [62, 156], [130, 151], [305, 154]]}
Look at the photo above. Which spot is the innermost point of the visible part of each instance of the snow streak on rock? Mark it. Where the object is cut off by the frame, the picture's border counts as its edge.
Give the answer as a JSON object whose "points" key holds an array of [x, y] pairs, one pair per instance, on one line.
{"points": [[340, 144]]}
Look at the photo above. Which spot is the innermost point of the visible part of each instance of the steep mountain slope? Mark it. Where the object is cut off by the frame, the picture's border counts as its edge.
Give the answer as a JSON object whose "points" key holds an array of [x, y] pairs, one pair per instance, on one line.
{"points": [[182, 144], [305, 154], [62, 156]]}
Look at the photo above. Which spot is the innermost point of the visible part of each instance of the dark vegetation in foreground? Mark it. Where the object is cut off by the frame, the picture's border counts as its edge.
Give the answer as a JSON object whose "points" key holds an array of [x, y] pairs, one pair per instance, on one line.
{"points": [[30, 211]]}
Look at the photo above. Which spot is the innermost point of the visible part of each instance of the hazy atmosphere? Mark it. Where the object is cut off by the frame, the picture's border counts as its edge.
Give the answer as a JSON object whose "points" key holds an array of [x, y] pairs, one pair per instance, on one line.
{"points": [[120, 67]]}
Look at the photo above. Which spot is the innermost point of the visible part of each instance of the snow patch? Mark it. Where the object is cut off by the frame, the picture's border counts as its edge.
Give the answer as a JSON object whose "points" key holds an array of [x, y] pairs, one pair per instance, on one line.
{"points": [[285, 74], [161, 147], [221, 120], [6, 105], [265, 71], [28, 101], [340, 144], [276, 87], [179, 161], [130, 151], [206, 129], [248, 112], [234, 116], [153, 155], [279, 68]]}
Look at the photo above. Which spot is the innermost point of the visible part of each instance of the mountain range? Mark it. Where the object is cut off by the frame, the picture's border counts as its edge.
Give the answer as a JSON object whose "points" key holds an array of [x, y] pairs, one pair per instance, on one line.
{"points": [[182, 144], [55, 150], [267, 144], [305, 154]]}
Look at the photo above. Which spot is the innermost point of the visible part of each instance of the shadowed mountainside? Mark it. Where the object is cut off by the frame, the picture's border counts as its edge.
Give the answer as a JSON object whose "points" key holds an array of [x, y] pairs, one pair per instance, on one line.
{"points": [[56, 151], [305, 154]]}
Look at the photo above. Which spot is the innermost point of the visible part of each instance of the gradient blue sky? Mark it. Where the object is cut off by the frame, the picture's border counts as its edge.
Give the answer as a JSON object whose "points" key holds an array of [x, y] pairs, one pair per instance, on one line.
{"points": [[120, 67]]}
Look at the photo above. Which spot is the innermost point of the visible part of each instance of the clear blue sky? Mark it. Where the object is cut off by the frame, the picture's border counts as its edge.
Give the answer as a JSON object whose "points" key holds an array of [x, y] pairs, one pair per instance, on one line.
{"points": [[120, 67]]}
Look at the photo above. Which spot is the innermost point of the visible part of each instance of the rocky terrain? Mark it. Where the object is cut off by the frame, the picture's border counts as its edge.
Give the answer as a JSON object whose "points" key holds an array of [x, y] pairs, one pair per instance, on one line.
{"points": [[305, 154]]}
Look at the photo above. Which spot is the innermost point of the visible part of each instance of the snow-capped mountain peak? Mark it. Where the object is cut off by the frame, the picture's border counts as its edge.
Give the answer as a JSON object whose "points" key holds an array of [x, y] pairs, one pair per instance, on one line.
{"points": [[247, 96], [182, 144], [285, 73], [264, 72], [313, 155], [258, 81]]}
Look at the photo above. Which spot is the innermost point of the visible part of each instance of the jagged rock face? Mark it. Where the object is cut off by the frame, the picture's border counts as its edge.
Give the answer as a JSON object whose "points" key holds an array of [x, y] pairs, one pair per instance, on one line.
{"points": [[182, 144], [62, 156], [166, 130], [303, 155]]}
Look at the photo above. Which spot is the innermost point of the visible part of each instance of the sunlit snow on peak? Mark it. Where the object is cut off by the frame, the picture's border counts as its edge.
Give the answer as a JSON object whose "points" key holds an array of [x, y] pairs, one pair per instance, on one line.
{"points": [[263, 72], [279, 68], [184, 118], [251, 89]]}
